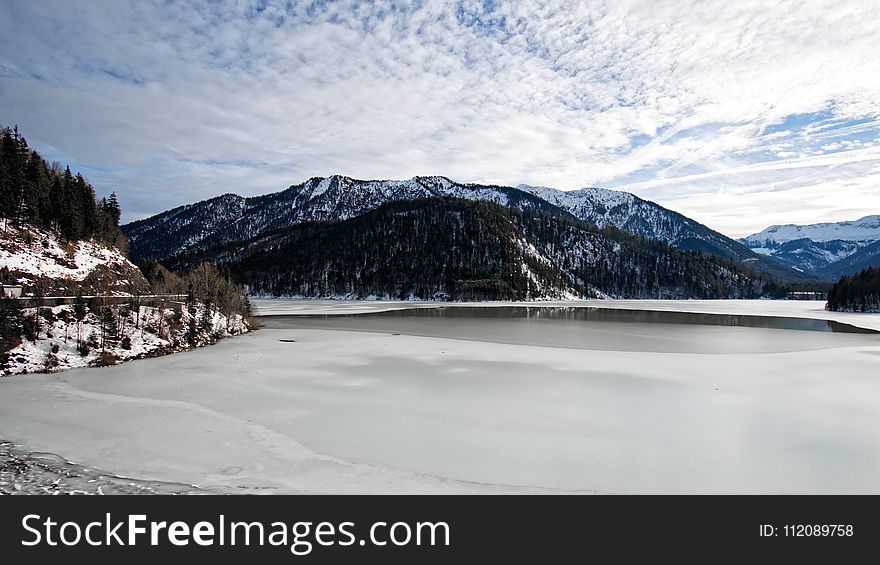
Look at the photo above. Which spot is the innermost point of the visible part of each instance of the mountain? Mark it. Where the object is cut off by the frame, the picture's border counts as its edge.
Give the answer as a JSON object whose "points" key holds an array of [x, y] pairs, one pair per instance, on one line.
{"points": [[864, 229], [229, 217], [829, 250], [459, 249]]}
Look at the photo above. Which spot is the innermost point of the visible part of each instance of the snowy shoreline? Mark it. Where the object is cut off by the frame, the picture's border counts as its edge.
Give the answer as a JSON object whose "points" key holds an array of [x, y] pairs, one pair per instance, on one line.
{"points": [[64, 339]]}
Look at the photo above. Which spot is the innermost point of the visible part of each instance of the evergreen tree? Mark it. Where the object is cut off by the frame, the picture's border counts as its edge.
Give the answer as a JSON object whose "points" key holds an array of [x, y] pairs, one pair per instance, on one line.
{"points": [[109, 333], [70, 214], [36, 205], [11, 323], [13, 159], [114, 210]]}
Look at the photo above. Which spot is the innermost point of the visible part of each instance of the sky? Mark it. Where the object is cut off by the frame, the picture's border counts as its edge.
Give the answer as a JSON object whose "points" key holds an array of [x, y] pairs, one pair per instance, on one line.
{"points": [[739, 114]]}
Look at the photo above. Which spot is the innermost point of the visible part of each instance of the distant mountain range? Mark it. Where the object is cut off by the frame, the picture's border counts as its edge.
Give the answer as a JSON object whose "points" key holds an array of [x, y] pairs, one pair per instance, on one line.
{"points": [[210, 223], [827, 250]]}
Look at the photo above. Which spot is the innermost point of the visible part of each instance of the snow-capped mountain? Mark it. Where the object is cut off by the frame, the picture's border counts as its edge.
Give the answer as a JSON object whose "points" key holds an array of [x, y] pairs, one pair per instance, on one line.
{"points": [[866, 229], [229, 217], [827, 249], [457, 249]]}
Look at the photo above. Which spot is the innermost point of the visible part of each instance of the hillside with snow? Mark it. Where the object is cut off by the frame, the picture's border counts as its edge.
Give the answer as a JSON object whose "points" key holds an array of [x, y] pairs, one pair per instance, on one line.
{"points": [[122, 321], [40, 261], [67, 337]]}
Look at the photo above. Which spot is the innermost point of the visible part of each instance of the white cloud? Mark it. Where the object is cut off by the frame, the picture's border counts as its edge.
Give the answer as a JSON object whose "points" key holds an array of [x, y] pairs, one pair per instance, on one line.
{"points": [[174, 103]]}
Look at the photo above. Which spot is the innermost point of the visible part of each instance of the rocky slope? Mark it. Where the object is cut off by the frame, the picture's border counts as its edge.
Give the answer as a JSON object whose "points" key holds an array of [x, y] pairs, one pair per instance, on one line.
{"points": [[41, 262]]}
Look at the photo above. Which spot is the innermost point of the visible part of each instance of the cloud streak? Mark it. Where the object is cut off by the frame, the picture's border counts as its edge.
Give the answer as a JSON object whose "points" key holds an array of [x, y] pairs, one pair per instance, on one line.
{"points": [[174, 102]]}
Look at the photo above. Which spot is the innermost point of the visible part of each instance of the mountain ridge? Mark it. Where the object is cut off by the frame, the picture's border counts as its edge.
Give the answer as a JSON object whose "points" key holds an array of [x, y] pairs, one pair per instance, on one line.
{"points": [[828, 249], [866, 228], [459, 249], [231, 217]]}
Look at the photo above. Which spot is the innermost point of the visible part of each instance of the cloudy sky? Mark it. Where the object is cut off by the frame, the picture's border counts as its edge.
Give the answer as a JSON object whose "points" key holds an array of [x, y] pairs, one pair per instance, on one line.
{"points": [[739, 114]]}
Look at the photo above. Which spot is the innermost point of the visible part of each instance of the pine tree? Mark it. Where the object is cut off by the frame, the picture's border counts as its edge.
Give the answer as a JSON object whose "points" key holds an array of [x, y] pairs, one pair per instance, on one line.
{"points": [[109, 333], [11, 322], [37, 208], [114, 209], [70, 214]]}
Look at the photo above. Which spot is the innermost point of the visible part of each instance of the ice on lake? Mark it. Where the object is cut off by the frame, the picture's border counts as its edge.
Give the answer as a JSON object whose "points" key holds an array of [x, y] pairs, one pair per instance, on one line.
{"points": [[485, 399]]}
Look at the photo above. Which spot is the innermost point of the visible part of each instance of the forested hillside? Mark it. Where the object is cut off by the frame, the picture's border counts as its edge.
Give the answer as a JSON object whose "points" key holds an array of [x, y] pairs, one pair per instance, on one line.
{"points": [[44, 195], [195, 227], [856, 293], [474, 250]]}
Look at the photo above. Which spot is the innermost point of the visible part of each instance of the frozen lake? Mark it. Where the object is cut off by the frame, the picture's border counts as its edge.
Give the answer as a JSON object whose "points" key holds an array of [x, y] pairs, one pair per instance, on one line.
{"points": [[685, 398]]}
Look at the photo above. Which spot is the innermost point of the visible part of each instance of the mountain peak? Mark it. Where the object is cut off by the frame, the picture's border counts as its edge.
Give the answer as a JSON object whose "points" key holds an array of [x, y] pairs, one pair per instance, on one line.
{"points": [[828, 248], [865, 229], [338, 197]]}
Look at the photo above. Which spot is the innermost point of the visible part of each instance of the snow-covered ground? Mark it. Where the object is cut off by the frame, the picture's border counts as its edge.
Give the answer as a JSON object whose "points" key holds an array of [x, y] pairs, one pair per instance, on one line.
{"points": [[32, 254], [328, 410], [60, 339]]}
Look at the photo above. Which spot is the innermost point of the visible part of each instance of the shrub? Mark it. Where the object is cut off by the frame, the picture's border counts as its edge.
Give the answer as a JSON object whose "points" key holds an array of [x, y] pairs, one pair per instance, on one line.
{"points": [[106, 359], [51, 363]]}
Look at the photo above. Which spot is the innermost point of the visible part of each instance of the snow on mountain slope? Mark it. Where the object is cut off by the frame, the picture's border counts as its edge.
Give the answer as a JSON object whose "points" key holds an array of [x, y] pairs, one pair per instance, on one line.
{"points": [[29, 255], [866, 229], [864, 257], [824, 249], [200, 226], [340, 198]]}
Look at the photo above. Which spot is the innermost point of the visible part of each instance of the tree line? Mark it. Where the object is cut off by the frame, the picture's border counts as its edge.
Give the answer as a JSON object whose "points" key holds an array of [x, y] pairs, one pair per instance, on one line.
{"points": [[43, 194], [856, 293]]}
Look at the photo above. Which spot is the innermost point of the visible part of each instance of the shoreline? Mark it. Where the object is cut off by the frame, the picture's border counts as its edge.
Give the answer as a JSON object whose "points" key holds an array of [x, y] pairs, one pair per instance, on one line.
{"points": [[24, 472]]}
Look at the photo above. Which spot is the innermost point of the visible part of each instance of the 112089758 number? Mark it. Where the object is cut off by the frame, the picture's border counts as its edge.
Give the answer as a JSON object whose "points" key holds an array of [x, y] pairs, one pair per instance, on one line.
{"points": [[818, 530]]}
